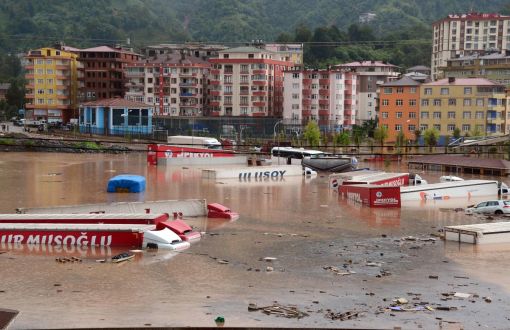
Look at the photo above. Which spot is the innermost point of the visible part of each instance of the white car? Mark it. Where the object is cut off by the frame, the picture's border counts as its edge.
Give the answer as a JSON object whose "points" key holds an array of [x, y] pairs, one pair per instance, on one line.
{"points": [[490, 207]]}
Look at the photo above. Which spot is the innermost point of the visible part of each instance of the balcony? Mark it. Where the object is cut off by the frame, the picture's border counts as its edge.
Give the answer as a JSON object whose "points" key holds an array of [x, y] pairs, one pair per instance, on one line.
{"points": [[348, 82], [62, 97], [187, 74], [306, 113], [259, 71], [246, 92], [29, 96], [348, 102], [188, 95], [135, 74], [214, 103], [244, 71], [307, 102], [188, 105], [259, 104], [258, 114], [61, 67], [307, 81], [214, 93], [347, 113], [259, 82], [259, 93], [188, 84], [347, 122], [29, 67], [324, 82], [244, 82], [214, 82], [213, 113], [324, 102], [61, 77], [324, 92], [323, 112], [348, 92], [215, 71], [307, 92], [62, 87]]}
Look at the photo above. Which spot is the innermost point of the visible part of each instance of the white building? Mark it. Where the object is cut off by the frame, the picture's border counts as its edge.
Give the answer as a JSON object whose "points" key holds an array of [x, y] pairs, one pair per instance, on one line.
{"points": [[370, 74], [325, 96], [467, 34]]}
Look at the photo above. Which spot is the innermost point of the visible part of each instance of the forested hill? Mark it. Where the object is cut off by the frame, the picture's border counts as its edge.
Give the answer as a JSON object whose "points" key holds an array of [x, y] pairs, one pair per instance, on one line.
{"points": [[28, 23]]}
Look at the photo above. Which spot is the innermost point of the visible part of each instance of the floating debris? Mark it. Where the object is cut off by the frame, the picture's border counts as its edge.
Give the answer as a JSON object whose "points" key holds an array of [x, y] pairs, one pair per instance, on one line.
{"points": [[344, 316], [338, 271], [278, 310]]}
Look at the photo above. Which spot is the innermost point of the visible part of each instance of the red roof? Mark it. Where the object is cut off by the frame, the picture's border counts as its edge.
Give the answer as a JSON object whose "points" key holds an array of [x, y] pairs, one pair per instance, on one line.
{"points": [[366, 64], [116, 102], [462, 82]]}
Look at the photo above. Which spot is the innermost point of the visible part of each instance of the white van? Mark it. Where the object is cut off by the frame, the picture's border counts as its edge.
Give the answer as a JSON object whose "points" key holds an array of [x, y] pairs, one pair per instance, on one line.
{"points": [[194, 141]]}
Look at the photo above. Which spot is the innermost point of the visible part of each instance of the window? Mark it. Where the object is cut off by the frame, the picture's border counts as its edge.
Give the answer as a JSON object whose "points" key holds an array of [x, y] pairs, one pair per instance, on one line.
{"points": [[466, 115], [117, 117], [428, 91], [295, 75], [385, 126], [450, 127], [412, 90], [244, 67], [479, 102], [40, 91], [467, 102], [49, 71], [295, 96], [398, 114], [244, 110], [424, 115], [445, 91], [228, 99], [398, 127], [400, 90], [388, 90], [315, 86], [437, 126], [424, 127], [399, 103], [479, 128], [295, 107], [411, 128], [133, 117], [412, 103], [479, 115], [436, 115], [451, 114], [452, 101], [50, 91], [412, 114], [385, 102], [144, 115], [425, 102], [467, 90], [295, 86], [437, 102], [385, 115], [466, 127]]}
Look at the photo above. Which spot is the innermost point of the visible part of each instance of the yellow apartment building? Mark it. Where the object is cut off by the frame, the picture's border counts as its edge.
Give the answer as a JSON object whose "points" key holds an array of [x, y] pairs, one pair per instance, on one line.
{"points": [[52, 77], [476, 106]]}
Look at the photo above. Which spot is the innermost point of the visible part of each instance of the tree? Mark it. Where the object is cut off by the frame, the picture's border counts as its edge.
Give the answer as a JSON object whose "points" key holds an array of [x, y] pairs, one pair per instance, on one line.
{"points": [[312, 134], [15, 95], [431, 137], [400, 141], [381, 134], [343, 139], [456, 133], [417, 135], [358, 134]]}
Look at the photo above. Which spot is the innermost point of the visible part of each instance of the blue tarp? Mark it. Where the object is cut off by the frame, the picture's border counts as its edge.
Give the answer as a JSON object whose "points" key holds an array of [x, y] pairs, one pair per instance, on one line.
{"points": [[126, 183]]}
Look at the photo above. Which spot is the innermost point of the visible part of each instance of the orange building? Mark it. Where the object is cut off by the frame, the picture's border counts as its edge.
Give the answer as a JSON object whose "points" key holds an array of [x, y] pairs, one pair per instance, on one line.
{"points": [[399, 109]]}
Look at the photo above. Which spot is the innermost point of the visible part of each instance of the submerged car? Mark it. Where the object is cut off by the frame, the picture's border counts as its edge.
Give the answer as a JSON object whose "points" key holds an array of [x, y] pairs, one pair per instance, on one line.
{"points": [[490, 207]]}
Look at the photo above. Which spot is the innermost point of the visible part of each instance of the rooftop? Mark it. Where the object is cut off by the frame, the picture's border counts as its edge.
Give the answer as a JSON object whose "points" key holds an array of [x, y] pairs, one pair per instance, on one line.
{"points": [[404, 81], [462, 82], [115, 102], [472, 16], [462, 161], [107, 49], [493, 56], [418, 68], [245, 49], [366, 64], [173, 58]]}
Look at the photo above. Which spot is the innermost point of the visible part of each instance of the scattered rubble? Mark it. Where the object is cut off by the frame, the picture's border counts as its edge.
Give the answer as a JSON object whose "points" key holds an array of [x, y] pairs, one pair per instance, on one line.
{"points": [[344, 316], [64, 260], [278, 310], [338, 271]]}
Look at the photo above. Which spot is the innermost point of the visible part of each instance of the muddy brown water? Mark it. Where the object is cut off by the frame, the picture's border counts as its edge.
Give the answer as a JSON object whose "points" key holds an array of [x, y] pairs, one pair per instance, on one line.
{"points": [[298, 221]]}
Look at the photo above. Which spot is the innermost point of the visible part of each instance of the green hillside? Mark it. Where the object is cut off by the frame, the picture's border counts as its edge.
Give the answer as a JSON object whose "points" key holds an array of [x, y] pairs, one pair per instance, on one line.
{"points": [[28, 23]]}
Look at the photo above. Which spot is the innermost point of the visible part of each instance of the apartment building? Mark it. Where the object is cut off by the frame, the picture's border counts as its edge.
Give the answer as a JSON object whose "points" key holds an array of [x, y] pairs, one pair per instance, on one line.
{"points": [[52, 77], [196, 49], [247, 81], [476, 106], [468, 34], [103, 69], [292, 52], [371, 74], [174, 84], [325, 96], [399, 108], [495, 67]]}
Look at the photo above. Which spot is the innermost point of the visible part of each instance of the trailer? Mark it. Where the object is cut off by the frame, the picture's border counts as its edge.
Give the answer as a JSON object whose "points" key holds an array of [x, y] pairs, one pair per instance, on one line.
{"points": [[258, 173], [485, 233], [372, 195], [446, 190]]}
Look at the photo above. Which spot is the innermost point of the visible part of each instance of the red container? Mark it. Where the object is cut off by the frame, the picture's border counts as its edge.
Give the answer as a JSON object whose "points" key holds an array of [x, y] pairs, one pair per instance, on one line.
{"points": [[372, 195]]}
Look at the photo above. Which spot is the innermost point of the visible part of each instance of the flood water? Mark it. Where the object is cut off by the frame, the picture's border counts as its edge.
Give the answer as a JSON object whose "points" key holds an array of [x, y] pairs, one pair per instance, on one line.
{"points": [[299, 221]]}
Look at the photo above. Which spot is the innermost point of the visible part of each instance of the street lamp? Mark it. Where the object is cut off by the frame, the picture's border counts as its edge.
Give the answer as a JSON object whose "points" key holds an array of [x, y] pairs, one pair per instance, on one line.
{"points": [[274, 128], [278, 141]]}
